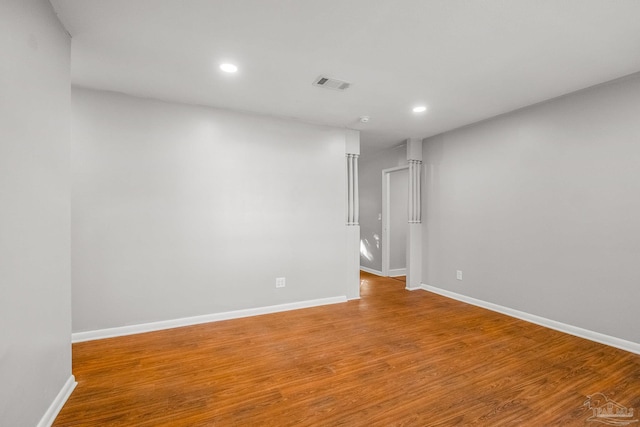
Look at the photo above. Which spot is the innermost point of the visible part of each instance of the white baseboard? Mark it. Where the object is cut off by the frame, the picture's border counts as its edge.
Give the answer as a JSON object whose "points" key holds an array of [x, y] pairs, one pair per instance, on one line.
{"points": [[371, 270], [397, 272], [542, 321], [195, 320], [54, 409]]}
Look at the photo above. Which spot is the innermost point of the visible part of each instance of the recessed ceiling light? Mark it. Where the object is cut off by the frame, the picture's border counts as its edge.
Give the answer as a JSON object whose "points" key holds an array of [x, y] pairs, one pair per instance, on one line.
{"points": [[228, 68], [419, 109]]}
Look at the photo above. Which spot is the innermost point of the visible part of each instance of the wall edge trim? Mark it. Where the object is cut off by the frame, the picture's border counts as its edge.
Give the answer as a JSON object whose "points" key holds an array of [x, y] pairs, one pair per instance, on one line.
{"points": [[196, 320], [54, 409], [598, 337], [395, 272], [371, 270]]}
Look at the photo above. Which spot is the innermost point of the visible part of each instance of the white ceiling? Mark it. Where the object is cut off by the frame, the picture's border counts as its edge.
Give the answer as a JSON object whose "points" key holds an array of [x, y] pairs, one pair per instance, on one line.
{"points": [[466, 59]]}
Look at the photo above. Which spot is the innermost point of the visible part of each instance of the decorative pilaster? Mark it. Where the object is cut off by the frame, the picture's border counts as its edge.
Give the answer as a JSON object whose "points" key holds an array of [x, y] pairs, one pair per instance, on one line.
{"points": [[353, 202], [414, 234], [415, 199], [352, 229]]}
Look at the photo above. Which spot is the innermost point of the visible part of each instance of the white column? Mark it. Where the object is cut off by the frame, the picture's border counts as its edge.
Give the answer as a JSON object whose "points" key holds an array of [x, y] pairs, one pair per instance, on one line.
{"points": [[415, 200], [352, 150], [414, 235], [353, 202]]}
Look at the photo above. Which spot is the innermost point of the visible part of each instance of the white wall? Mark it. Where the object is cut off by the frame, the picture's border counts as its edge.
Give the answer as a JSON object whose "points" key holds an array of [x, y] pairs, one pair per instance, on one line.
{"points": [[35, 312], [370, 181], [540, 208], [180, 211]]}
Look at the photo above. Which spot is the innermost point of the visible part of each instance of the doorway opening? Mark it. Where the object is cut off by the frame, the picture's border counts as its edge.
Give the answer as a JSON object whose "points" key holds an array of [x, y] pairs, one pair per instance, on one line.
{"points": [[395, 200]]}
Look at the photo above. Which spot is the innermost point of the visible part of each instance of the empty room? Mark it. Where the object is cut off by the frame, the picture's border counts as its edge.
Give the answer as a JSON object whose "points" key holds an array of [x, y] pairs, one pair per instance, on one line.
{"points": [[338, 213]]}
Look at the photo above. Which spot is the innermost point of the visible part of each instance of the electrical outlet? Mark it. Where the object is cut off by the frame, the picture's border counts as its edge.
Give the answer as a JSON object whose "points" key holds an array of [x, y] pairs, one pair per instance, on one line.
{"points": [[459, 274], [281, 282]]}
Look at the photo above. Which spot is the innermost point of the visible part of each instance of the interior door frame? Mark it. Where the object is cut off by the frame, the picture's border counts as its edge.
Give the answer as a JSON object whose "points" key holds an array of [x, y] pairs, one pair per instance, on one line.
{"points": [[386, 214]]}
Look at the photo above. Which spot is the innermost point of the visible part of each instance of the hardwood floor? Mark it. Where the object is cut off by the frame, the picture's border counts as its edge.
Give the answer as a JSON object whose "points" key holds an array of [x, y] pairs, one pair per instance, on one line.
{"points": [[394, 357]]}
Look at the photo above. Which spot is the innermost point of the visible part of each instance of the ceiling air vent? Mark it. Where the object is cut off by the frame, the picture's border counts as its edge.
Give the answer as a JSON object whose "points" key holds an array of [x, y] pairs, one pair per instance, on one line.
{"points": [[330, 83]]}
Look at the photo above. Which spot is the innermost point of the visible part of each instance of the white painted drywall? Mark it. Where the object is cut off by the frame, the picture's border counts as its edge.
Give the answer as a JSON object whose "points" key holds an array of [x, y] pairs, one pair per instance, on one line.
{"points": [[35, 300], [399, 218], [180, 211], [370, 180], [540, 209]]}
